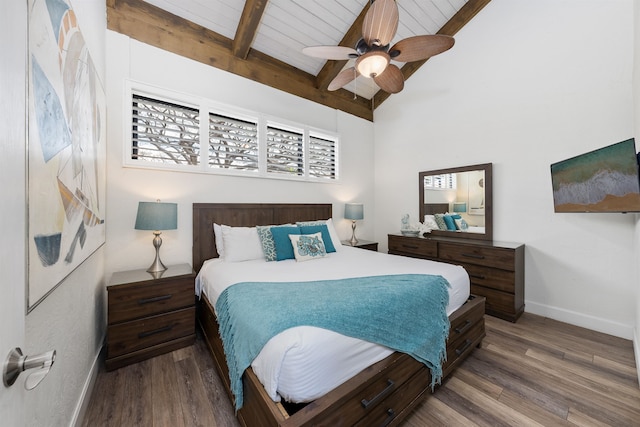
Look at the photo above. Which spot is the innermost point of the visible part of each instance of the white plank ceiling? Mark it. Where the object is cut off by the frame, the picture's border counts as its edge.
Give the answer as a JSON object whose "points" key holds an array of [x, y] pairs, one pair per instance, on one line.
{"points": [[287, 26]]}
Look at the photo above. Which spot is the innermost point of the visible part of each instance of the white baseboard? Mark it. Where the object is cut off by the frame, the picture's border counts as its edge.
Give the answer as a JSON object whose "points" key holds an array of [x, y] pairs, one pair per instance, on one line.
{"points": [[583, 320], [87, 390]]}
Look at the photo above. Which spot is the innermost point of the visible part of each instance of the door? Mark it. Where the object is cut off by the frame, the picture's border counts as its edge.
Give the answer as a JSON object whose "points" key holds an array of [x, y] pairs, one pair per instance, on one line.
{"points": [[13, 78]]}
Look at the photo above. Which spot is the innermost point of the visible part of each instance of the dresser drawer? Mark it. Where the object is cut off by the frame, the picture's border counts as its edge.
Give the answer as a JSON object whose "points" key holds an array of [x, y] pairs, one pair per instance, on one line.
{"points": [[413, 246], [497, 301], [132, 302], [486, 256], [138, 334], [488, 277]]}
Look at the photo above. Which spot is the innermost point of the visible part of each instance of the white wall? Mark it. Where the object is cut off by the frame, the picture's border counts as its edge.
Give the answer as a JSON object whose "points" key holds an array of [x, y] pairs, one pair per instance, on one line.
{"points": [[526, 84], [130, 249], [71, 319]]}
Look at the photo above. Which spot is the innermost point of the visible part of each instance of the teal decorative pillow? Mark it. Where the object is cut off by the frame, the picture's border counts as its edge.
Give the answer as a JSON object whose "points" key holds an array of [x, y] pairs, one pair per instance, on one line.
{"points": [[284, 249], [320, 228], [307, 246], [440, 221], [266, 240]]}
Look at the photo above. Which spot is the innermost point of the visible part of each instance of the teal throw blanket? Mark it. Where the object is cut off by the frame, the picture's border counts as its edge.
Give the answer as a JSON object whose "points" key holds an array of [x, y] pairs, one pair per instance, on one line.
{"points": [[404, 312]]}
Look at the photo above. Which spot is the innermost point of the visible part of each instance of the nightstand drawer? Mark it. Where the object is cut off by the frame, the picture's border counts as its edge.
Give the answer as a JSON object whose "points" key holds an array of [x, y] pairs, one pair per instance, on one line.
{"points": [[490, 257], [413, 245], [138, 334], [133, 302]]}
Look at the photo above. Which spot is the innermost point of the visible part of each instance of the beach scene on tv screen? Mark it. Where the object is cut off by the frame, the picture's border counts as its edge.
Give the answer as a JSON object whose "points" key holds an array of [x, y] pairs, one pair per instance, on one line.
{"points": [[604, 180]]}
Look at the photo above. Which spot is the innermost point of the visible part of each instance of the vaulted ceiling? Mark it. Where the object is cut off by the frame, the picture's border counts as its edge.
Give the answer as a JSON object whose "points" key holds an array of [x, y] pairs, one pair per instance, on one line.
{"points": [[262, 40]]}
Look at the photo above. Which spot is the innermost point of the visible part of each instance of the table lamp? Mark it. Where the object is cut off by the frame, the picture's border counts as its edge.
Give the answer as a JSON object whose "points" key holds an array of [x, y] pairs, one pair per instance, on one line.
{"points": [[157, 216], [353, 211]]}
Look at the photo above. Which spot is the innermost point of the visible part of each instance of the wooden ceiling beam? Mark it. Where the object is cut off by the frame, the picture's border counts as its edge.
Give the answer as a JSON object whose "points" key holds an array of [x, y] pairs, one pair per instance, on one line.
{"points": [[156, 27], [450, 28], [248, 27]]}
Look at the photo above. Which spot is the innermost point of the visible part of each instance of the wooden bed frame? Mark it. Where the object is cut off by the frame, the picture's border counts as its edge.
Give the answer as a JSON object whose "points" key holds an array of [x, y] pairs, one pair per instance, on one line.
{"points": [[382, 394]]}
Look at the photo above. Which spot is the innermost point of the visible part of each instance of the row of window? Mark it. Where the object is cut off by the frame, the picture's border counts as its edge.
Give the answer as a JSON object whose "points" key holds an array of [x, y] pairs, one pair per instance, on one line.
{"points": [[166, 134]]}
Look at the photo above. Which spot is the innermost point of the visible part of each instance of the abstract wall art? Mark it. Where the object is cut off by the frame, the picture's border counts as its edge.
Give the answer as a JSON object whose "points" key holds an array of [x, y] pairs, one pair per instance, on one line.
{"points": [[67, 149]]}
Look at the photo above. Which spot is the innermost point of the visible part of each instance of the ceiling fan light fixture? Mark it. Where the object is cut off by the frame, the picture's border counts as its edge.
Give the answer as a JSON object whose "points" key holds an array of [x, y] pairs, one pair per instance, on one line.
{"points": [[373, 63]]}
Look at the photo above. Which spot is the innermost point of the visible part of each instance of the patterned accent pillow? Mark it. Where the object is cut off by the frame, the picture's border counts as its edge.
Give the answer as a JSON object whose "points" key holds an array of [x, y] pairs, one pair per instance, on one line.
{"points": [[308, 246], [266, 239], [440, 221]]}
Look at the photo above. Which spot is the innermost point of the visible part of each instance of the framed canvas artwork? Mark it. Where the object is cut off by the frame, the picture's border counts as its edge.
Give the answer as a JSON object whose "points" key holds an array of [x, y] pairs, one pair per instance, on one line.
{"points": [[66, 149]]}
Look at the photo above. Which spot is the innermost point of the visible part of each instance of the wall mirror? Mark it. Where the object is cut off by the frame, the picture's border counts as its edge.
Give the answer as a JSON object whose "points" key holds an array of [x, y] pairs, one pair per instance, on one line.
{"points": [[463, 191]]}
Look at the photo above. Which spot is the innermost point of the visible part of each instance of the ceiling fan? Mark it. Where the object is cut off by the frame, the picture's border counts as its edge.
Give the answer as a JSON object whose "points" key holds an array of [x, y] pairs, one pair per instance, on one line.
{"points": [[372, 52]]}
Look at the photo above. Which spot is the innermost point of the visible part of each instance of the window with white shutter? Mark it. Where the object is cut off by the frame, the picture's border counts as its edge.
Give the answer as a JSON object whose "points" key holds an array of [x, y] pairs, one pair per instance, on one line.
{"points": [[164, 132], [167, 133], [233, 143]]}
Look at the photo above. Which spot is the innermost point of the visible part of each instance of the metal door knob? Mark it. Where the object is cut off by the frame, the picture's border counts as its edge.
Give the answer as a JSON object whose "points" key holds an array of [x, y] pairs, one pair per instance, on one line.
{"points": [[16, 363]]}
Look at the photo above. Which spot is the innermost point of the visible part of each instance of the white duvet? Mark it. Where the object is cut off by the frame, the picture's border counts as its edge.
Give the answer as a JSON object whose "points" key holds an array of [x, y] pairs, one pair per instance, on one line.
{"points": [[304, 363]]}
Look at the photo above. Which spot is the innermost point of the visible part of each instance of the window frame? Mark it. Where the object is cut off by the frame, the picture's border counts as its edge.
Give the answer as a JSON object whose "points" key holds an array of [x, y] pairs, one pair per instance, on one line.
{"points": [[207, 106]]}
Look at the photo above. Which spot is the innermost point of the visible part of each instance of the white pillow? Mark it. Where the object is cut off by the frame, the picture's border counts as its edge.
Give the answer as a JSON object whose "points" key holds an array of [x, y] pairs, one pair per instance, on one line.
{"points": [[217, 232], [308, 246], [241, 244], [430, 222]]}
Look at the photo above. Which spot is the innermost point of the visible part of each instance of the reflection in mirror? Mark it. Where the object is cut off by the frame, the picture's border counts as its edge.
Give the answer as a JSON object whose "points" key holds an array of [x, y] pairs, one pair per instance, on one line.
{"points": [[465, 194]]}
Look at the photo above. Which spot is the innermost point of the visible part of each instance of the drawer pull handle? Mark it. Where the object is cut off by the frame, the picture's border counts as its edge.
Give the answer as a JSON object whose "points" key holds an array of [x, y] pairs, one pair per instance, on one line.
{"points": [[464, 346], [409, 246], [391, 414], [366, 403], [461, 329], [154, 299], [156, 331], [473, 256]]}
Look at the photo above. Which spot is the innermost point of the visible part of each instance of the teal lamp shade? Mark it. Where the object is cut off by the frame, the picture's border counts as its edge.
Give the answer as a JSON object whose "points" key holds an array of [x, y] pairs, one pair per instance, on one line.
{"points": [[354, 212], [157, 216], [459, 207]]}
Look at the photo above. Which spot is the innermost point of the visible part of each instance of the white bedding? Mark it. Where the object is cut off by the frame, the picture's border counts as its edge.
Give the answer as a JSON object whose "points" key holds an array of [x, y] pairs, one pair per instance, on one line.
{"points": [[304, 363]]}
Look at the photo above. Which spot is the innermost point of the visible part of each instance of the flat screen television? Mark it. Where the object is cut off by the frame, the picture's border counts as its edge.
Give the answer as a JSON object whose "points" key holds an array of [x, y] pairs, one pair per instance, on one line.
{"points": [[603, 180]]}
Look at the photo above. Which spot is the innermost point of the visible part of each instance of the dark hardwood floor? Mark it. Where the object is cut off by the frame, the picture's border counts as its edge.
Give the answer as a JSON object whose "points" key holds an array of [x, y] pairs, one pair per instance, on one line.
{"points": [[534, 372]]}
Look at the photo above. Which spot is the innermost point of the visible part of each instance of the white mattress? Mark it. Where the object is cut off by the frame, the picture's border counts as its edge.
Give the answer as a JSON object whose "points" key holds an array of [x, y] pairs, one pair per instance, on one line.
{"points": [[304, 363]]}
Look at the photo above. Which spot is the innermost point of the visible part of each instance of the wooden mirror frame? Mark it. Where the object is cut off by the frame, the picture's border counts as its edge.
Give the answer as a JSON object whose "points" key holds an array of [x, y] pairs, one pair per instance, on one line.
{"points": [[488, 201]]}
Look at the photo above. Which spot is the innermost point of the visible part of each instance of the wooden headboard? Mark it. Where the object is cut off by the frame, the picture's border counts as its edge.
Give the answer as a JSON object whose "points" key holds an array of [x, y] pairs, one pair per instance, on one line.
{"points": [[245, 215], [435, 208]]}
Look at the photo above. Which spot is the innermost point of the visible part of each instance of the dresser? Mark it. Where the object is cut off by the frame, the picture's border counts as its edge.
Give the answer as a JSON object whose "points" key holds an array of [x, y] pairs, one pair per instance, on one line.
{"points": [[496, 269], [148, 314]]}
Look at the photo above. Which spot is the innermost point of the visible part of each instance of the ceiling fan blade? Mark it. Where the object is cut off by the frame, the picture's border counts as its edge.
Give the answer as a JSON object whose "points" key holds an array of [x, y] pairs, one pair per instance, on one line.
{"points": [[391, 80], [343, 77], [330, 52], [420, 47], [380, 23]]}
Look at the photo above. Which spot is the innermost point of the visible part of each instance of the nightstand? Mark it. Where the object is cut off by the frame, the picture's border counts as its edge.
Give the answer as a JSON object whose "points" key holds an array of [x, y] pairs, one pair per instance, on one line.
{"points": [[147, 315], [362, 244]]}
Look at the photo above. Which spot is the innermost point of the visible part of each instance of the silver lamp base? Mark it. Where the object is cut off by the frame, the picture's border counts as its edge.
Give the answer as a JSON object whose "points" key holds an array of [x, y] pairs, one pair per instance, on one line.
{"points": [[157, 266], [353, 240]]}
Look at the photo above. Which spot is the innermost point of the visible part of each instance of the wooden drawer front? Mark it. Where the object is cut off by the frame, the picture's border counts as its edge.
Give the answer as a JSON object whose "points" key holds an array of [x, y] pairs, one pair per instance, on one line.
{"points": [[413, 245], [501, 280], [366, 400], [393, 406], [496, 300], [490, 257], [142, 333], [128, 303]]}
